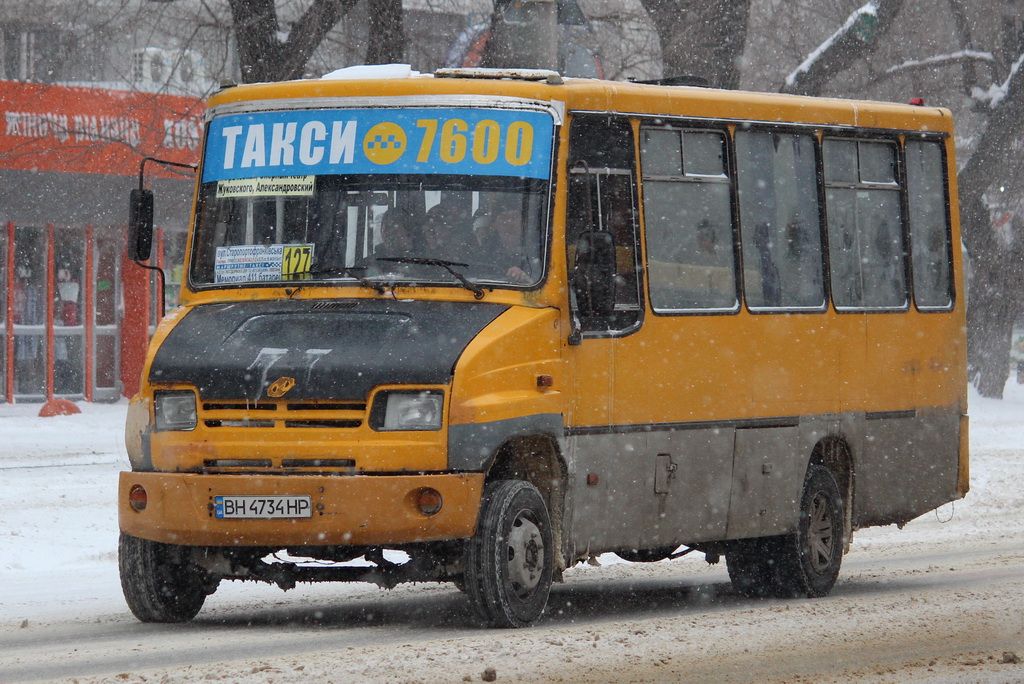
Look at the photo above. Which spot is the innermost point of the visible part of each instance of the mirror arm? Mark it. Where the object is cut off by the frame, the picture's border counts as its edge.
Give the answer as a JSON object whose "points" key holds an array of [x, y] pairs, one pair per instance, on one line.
{"points": [[162, 162]]}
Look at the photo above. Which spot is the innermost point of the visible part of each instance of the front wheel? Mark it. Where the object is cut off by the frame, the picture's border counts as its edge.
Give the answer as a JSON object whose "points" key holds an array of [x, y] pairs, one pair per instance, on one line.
{"points": [[159, 581], [508, 564]]}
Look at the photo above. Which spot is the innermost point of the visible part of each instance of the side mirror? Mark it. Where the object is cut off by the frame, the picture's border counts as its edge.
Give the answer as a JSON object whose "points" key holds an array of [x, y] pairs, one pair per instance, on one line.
{"points": [[140, 224], [594, 272]]}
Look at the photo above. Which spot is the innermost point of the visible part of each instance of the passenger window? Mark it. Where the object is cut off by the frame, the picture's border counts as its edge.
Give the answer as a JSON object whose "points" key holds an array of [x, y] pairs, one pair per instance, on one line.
{"points": [[877, 163], [841, 162], [781, 225], [688, 221], [704, 153], [662, 153], [929, 225], [865, 227], [601, 230]]}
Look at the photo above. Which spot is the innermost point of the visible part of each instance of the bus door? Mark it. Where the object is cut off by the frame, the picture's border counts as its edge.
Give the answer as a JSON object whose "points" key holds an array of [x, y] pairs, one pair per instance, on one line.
{"points": [[613, 485]]}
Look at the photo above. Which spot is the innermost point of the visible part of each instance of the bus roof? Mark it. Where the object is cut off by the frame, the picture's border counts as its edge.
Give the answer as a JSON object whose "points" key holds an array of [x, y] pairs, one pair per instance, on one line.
{"points": [[594, 95]]}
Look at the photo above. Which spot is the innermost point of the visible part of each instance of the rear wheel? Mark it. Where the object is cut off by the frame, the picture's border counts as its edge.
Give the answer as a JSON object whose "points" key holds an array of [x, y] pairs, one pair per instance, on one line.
{"points": [[508, 564], [751, 567], [809, 559], [802, 564], [159, 581]]}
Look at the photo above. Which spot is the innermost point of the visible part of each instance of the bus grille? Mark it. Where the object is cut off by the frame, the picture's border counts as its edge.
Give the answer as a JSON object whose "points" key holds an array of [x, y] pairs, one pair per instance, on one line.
{"points": [[279, 415]]}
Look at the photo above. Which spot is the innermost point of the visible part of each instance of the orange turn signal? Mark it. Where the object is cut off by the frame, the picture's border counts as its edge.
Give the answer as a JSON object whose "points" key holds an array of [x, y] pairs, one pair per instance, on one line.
{"points": [[137, 497], [429, 501]]}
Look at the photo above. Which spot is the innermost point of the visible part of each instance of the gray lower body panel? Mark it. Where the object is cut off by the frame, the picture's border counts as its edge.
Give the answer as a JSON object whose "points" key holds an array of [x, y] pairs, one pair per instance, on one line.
{"points": [[657, 486]]}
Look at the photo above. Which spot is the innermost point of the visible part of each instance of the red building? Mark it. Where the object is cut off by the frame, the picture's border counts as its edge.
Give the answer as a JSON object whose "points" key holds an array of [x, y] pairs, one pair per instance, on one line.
{"points": [[75, 314]]}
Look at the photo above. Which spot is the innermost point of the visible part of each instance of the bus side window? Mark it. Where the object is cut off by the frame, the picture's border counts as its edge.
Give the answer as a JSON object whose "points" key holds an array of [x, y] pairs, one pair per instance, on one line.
{"points": [[929, 225], [865, 225], [601, 230], [781, 225], [688, 220]]}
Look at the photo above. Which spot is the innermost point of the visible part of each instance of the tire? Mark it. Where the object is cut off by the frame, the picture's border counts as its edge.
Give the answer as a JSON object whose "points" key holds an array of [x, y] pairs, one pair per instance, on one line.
{"points": [[751, 567], [810, 558], [646, 555], [804, 564], [507, 566], [159, 582]]}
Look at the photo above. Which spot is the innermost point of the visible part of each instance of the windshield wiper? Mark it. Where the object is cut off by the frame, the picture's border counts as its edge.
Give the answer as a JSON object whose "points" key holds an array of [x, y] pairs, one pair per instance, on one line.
{"points": [[350, 271], [478, 292]]}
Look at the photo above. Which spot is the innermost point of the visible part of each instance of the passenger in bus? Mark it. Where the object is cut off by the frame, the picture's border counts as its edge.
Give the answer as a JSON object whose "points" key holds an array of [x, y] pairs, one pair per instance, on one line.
{"points": [[482, 220], [398, 237], [802, 265], [438, 230], [707, 245], [771, 286], [696, 272], [502, 242], [448, 235]]}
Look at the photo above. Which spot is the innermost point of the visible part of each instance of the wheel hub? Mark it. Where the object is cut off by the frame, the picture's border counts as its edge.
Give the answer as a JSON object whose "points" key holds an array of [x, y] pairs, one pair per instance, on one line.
{"points": [[820, 533], [525, 556]]}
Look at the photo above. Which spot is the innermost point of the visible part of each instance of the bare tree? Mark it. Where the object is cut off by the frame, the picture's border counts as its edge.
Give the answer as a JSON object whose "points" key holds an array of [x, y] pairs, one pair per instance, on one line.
{"points": [[862, 32], [997, 258], [265, 52]]}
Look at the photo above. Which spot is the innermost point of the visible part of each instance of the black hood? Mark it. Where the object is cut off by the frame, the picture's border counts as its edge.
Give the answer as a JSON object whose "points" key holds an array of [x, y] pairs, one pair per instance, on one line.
{"points": [[332, 349]]}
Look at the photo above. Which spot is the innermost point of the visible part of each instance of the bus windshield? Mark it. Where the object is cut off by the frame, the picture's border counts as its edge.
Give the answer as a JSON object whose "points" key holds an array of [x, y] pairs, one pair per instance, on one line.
{"points": [[384, 196]]}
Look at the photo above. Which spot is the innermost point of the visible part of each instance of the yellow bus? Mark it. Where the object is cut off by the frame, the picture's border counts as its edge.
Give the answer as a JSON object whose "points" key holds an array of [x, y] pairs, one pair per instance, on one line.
{"points": [[479, 326]]}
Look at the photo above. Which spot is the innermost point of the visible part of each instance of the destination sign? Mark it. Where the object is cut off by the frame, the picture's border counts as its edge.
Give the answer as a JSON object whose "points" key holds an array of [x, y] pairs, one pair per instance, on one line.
{"points": [[461, 141]]}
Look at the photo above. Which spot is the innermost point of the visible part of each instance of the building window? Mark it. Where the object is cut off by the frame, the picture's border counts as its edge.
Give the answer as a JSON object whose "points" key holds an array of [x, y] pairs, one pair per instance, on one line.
{"points": [[42, 54]]}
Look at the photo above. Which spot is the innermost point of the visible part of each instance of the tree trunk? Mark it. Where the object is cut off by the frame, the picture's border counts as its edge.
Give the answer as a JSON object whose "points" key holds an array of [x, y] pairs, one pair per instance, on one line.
{"points": [[387, 32], [523, 35], [995, 298], [989, 335], [262, 55], [704, 39]]}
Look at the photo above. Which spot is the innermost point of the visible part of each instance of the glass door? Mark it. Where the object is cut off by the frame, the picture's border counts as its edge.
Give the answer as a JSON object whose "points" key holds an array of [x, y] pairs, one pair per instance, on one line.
{"points": [[29, 316], [105, 295], [68, 318]]}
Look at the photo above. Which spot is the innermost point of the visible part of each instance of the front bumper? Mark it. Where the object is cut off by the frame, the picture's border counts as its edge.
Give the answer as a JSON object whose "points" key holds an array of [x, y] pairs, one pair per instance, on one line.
{"points": [[371, 510]]}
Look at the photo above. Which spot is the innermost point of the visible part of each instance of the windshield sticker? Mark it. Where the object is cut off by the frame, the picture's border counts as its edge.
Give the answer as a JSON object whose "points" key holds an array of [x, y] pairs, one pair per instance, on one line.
{"points": [[261, 263], [489, 142], [290, 186]]}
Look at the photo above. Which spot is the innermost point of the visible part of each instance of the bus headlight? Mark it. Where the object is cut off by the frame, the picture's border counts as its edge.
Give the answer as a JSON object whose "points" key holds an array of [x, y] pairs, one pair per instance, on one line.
{"points": [[407, 411], [175, 410]]}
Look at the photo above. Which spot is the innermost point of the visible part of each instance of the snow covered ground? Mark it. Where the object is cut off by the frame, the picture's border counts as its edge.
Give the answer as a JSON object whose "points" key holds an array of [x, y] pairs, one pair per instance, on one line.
{"points": [[58, 566]]}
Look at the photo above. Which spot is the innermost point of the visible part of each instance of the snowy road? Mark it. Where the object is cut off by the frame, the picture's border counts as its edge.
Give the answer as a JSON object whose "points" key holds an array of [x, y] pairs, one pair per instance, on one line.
{"points": [[940, 601], [893, 618]]}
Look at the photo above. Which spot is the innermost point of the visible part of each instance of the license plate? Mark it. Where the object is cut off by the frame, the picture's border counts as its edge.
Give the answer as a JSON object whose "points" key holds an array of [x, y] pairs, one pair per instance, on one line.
{"points": [[262, 507]]}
